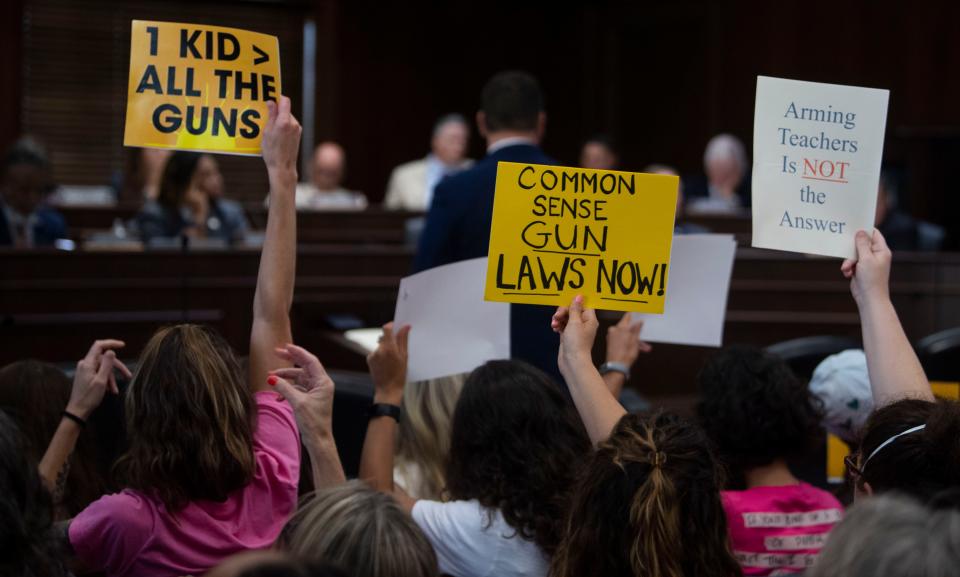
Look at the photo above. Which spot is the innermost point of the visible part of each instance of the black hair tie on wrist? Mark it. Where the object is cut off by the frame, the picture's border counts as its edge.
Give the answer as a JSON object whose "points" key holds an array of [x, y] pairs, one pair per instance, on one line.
{"points": [[75, 419]]}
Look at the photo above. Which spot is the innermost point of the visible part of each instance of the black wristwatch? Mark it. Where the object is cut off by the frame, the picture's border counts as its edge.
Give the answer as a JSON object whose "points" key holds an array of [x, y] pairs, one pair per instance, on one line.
{"points": [[384, 410]]}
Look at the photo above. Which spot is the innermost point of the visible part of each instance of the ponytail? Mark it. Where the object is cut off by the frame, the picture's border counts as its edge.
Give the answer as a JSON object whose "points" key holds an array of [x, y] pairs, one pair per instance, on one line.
{"points": [[655, 515]]}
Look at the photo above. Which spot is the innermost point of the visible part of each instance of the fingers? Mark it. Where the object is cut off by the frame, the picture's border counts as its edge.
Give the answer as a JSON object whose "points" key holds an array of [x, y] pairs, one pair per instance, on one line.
{"points": [[879, 244], [626, 321], [289, 373], [97, 348], [300, 356], [645, 347], [403, 339], [105, 370], [863, 245], [117, 364], [283, 109], [848, 267], [286, 390], [387, 334], [576, 309], [271, 112], [589, 316], [559, 320]]}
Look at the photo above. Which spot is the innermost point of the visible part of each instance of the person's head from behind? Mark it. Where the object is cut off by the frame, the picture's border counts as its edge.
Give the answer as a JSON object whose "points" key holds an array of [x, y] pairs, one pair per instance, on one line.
{"points": [[648, 503], [725, 162], [911, 446], [451, 134], [755, 409], [892, 536], [669, 171], [25, 177], [189, 419], [599, 153], [329, 166], [511, 104], [187, 177], [886, 196], [362, 531], [272, 563], [424, 435], [27, 546], [515, 445], [33, 394]]}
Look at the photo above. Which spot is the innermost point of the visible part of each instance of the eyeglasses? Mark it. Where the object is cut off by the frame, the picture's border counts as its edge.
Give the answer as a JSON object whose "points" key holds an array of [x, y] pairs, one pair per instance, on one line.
{"points": [[853, 470]]}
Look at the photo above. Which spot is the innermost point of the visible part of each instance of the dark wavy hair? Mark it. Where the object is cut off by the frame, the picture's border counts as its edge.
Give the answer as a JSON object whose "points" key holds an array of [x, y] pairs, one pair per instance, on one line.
{"points": [[516, 445], [34, 393], [190, 419], [755, 409], [27, 544], [176, 178], [648, 503], [922, 464]]}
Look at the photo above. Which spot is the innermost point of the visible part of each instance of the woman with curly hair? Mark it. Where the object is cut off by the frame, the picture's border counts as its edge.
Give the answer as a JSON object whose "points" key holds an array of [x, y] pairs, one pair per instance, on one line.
{"points": [[515, 450], [759, 414]]}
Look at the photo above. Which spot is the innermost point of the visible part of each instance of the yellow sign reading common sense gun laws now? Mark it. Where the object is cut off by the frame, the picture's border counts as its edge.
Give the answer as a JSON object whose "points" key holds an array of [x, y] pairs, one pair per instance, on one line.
{"points": [[197, 87], [558, 232]]}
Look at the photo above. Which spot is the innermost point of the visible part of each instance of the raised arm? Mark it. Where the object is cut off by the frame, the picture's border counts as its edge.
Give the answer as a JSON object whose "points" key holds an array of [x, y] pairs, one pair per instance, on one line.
{"points": [[93, 378], [894, 369], [309, 390], [388, 368], [598, 408], [271, 303], [623, 348]]}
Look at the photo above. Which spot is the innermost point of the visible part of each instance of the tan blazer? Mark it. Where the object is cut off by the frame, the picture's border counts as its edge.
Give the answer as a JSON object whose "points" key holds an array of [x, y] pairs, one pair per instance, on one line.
{"points": [[407, 189]]}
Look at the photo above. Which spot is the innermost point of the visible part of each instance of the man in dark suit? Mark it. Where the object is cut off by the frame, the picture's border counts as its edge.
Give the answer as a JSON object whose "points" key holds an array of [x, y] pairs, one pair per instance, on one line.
{"points": [[24, 182], [512, 120]]}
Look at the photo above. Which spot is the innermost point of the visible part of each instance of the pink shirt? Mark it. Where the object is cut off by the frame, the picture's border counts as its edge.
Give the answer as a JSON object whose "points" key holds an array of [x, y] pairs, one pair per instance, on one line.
{"points": [[779, 530], [130, 533]]}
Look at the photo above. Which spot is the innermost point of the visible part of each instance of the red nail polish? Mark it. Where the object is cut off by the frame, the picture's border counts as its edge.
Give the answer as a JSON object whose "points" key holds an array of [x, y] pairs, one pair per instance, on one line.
{"points": [[272, 381]]}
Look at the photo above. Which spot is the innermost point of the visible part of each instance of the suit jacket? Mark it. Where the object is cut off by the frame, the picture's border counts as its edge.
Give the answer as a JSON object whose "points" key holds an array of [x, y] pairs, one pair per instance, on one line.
{"points": [[458, 228], [49, 226], [407, 189]]}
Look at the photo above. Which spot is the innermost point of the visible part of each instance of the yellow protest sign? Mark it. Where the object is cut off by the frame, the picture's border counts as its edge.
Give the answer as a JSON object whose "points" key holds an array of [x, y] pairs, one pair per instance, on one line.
{"points": [[558, 232], [197, 87]]}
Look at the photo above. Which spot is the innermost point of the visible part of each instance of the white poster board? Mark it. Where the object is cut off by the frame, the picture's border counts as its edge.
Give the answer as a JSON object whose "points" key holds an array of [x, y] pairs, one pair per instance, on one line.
{"points": [[454, 330], [817, 150], [696, 305]]}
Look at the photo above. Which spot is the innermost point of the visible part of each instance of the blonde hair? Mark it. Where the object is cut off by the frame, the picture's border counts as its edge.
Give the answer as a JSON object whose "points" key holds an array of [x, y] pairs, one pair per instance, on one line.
{"points": [[189, 419], [362, 531], [424, 439]]}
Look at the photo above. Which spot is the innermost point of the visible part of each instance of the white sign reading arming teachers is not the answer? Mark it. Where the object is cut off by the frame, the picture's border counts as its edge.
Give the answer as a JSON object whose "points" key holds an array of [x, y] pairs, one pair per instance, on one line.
{"points": [[816, 166]]}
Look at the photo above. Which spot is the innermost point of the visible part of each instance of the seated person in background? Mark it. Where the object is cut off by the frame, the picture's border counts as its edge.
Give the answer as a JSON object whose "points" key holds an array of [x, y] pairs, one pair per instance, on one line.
{"points": [[411, 184], [758, 414], [726, 188], [648, 499], [892, 536], [25, 181], [33, 394], [423, 442], [325, 191], [362, 531], [599, 153], [213, 458], [902, 231], [515, 451], [27, 536], [142, 172], [191, 202], [680, 225]]}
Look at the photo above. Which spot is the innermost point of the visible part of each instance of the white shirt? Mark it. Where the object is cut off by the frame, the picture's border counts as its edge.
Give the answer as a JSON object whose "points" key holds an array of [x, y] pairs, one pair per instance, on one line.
{"points": [[471, 543], [309, 198]]}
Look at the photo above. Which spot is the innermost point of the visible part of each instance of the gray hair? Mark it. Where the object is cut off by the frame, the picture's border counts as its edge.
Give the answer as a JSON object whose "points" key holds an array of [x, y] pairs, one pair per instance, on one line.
{"points": [[726, 146], [361, 531], [892, 536], [446, 119]]}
